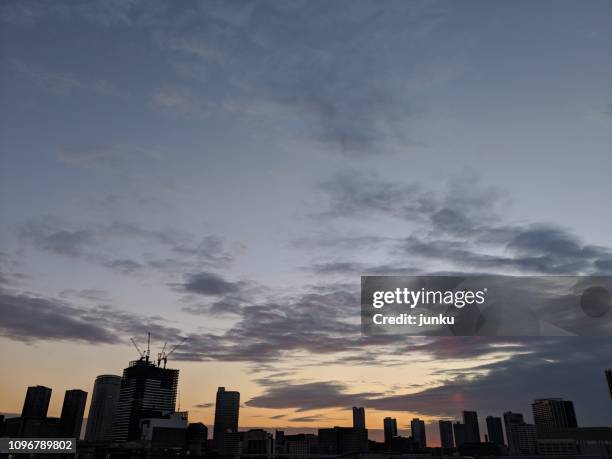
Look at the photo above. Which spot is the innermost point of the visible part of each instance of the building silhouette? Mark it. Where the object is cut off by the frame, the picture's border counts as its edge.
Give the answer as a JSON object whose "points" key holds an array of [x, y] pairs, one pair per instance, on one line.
{"points": [[102, 408], [446, 434], [609, 379], [472, 431], [36, 403], [417, 427], [146, 391], [495, 430], [460, 432], [390, 429], [71, 418], [359, 421], [342, 440], [197, 437], [521, 436], [554, 413], [227, 408]]}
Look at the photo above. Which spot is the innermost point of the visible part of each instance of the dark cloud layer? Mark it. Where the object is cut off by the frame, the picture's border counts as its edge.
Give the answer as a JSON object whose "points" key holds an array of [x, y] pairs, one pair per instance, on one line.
{"points": [[28, 318], [562, 367], [207, 283], [460, 227], [177, 250]]}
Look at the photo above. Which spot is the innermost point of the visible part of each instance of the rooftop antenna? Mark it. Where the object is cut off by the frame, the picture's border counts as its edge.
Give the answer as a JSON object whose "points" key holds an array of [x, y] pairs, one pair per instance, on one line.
{"points": [[140, 353]]}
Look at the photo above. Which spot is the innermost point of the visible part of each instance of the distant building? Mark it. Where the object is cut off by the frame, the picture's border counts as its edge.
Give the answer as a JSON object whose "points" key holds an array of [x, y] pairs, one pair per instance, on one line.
{"points": [[229, 445], [460, 432], [343, 440], [257, 443], [390, 428], [472, 430], [554, 413], [71, 418], [36, 403], [102, 408], [446, 434], [521, 436], [495, 430], [401, 444], [359, 421], [165, 432], [225, 429], [581, 441], [197, 437], [146, 391], [298, 446], [417, 427]]}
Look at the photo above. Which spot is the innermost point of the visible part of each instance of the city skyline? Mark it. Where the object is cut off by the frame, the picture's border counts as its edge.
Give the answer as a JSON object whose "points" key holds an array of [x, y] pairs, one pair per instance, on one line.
{"points": [[225, 172], [548, 414]]}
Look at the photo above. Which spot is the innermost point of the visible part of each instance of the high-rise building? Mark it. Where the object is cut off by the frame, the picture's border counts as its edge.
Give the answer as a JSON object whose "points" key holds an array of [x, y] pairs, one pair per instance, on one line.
{"points": [[446, 434], [553, 413], [525, 438], [359, 418], [102, 408], [460, 431], [472, 431], [227, 408], [71, 418], [390, 426], [495, 430], [417, 427], [36, 402], [609, 379], [521, 436], [146, 391], [512, 419]]}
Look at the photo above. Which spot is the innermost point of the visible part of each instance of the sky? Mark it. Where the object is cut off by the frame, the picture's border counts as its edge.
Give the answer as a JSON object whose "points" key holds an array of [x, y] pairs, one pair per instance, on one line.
{"points": [[226, 172]]}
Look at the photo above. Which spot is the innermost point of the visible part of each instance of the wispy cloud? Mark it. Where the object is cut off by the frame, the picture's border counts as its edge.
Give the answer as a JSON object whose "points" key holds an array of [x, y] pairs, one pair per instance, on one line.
{"points": [[61, 83]]}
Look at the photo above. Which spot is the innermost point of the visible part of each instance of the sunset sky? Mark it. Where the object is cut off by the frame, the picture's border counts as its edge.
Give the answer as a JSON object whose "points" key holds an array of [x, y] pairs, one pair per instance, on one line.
{"points": [[226, 172]]}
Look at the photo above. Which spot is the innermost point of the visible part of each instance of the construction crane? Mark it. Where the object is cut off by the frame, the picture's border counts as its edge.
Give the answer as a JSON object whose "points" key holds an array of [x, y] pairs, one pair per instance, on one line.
{"points": [[148, 346], [161, 354], [164, 357], [140, 353]]}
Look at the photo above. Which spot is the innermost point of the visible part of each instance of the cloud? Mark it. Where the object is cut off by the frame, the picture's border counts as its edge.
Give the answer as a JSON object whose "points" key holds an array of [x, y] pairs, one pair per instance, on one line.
{"points": [[211, 284], [308, 396], [229, 43], [181, 101], [108, 155], [354, 194], [204, 405], [107, 14], [45, 236], [112, 245], [90, 294], [561, 367], [60, 83], [460, 228], [29, 318], [10, 270]]}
